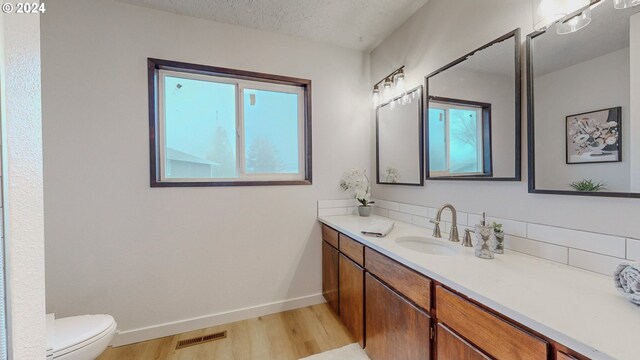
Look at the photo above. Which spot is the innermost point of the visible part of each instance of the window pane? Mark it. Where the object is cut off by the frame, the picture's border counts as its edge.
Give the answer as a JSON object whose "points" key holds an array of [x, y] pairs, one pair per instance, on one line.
{"points": [[463, 133], [200, 128], [270, 132], [437, 140]]}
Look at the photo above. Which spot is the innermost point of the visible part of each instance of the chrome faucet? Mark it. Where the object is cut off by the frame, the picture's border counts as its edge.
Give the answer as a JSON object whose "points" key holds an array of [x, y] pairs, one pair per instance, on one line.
{"points": [[453, 234]]}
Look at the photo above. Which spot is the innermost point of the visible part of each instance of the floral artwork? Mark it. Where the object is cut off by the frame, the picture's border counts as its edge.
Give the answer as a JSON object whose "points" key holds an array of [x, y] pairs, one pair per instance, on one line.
{"points": [[594, 137]]}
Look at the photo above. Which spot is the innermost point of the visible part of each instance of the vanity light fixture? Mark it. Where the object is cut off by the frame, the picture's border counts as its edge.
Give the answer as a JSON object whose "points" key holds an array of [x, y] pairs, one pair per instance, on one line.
{"points": [[392, 87], [548, 12], [625, 4], [575, 23]]}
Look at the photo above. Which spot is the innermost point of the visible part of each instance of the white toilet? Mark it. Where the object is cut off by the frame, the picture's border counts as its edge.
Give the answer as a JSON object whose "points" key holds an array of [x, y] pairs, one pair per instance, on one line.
{"points": [[82, 337]]}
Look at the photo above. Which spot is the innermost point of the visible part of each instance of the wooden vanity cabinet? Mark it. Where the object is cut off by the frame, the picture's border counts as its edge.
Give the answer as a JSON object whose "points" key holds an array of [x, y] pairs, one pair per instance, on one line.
{"points": [[491, 334], [395, 312], [452, 347], [330, 280], [395, 328], [351, 302]]}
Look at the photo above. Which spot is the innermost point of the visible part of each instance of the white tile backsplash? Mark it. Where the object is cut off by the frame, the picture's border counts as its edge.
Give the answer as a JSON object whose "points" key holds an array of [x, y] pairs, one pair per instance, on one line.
{"points": [[633, 249], [344, 203], [400, 216], [535, 248], [389, 205], [333, 211], [414, 210], [380, 211], [447, 216], [593, 262], [591, 251], [422, 221], [598, 243], [511, 227], [325, 204]]}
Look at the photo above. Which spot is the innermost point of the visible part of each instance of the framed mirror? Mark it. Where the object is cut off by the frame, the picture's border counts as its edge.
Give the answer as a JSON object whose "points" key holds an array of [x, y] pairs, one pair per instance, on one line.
{"points": [[473, 115], [583, 127], [399, 140]]}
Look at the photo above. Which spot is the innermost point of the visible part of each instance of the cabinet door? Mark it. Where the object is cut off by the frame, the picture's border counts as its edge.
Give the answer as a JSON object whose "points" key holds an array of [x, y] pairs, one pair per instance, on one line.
{"points": [[395, 329], [451, 347], [330, 275], [352, 297]]}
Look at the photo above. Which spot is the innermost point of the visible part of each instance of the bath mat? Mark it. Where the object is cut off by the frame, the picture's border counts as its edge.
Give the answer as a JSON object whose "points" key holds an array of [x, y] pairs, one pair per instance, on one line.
{"points": [[349, 352]]}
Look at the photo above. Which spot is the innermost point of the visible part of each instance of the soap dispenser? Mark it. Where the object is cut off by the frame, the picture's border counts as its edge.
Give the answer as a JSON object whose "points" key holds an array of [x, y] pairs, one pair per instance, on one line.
{"points": [[485, 239]]}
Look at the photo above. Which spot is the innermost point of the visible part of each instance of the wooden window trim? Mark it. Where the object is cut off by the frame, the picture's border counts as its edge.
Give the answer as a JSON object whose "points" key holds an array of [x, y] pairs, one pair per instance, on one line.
{"points": [[155, 65]]}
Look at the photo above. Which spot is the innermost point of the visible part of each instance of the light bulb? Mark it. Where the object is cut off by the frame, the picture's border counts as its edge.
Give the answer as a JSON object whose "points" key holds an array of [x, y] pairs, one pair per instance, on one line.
{"points": [[386, 90], [376, 96], [547, 12], [399, 81]]}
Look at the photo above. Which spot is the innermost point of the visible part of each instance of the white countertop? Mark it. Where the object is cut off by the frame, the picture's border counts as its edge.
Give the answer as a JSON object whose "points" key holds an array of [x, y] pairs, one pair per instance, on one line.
{"points": [[577, 308]]}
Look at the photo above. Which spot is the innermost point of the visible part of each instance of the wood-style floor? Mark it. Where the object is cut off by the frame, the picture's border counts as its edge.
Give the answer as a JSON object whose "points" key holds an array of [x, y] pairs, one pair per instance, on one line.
{"points": [[288, 335]]}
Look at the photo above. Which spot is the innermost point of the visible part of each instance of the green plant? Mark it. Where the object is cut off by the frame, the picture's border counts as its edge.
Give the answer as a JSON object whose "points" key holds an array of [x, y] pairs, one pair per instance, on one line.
{"points": [[497, 227], [588, 185]]}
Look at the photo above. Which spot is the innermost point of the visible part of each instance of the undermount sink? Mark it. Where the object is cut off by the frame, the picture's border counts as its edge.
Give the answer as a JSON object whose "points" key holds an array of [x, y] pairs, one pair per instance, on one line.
{"points": [[426, 246]]}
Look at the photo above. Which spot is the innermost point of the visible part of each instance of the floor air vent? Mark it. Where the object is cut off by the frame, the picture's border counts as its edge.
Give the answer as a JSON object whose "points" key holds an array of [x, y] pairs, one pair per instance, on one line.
{"points": [[201, 339]]}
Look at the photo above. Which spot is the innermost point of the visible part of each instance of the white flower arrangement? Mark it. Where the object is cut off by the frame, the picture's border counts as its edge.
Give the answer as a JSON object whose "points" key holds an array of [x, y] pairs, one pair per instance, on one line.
{"points": [[356, 181]]}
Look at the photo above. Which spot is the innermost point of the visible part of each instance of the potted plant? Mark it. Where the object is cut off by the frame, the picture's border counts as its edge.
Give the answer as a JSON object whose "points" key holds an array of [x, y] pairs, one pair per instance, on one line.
{"points": [[356, 181], [588, 185]]}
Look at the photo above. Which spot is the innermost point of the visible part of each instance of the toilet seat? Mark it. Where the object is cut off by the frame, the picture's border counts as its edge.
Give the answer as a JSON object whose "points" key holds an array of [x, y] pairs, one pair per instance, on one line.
{"points": [[73, 334]]}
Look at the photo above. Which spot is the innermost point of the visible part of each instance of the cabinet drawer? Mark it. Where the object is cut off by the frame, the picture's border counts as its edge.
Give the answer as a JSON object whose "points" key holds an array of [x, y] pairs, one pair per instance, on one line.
{"points": [[562, 356], [493, 335], [329, 235], [353, 249], [451, 347], [409, 283]]}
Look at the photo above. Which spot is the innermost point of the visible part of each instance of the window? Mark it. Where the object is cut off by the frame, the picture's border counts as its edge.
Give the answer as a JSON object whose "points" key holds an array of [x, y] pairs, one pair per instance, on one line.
{"points": [[459, 138], [218, 127]]}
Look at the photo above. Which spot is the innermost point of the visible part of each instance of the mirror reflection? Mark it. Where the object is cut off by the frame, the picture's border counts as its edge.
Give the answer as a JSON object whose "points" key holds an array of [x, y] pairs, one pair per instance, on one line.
{"points": [[585, 122], [474, 115], [399, 140]]}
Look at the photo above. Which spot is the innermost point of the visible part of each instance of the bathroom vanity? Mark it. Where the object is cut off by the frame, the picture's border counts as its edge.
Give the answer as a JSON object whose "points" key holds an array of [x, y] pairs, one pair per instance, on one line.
{"points": [[400, 303]]}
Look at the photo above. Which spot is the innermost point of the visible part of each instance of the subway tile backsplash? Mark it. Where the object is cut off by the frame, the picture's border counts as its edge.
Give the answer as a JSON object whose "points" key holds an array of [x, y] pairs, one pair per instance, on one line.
{"points": [[595, 252]]}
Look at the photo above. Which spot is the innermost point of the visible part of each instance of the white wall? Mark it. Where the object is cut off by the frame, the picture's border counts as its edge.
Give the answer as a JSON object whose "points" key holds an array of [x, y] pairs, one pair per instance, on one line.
{"points": [[152, 256], [22, 184], [556, 97], [429, 40], [634, 129]]}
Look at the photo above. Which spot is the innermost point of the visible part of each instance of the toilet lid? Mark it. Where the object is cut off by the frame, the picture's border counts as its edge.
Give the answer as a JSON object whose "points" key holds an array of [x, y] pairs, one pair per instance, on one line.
{"points": [[75, 330]]}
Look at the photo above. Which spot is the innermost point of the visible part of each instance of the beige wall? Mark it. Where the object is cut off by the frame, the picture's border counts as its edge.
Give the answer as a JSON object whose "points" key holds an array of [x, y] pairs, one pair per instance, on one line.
{"points": [[634, 146], [163, 255]]}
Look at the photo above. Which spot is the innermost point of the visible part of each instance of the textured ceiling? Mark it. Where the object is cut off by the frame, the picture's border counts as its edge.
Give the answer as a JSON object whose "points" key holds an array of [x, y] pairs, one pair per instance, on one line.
{"points": [[356, 24]]}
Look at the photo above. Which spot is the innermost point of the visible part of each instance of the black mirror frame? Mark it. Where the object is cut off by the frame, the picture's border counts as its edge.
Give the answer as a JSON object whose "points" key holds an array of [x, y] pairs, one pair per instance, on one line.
{"points": [[531, 156], [420, 141], [517, 116]]}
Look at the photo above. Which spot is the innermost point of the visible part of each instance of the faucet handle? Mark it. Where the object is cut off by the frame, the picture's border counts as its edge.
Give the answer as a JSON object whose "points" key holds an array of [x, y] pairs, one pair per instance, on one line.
{"points": [[466, 240], [434, 221]]}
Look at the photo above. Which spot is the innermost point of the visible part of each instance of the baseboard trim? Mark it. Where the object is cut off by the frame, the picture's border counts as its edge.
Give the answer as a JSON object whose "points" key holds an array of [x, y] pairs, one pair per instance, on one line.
{"points": [[177, 327]]}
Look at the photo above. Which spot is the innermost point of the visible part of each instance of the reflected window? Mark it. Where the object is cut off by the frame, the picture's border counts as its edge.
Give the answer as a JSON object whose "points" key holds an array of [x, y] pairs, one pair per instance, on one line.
{"points": [[212, 129], [459, 138]]}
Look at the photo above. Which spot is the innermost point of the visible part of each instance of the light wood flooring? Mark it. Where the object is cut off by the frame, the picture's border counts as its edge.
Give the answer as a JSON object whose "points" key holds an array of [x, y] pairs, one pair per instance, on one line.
{"points": [[288, 335]]}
